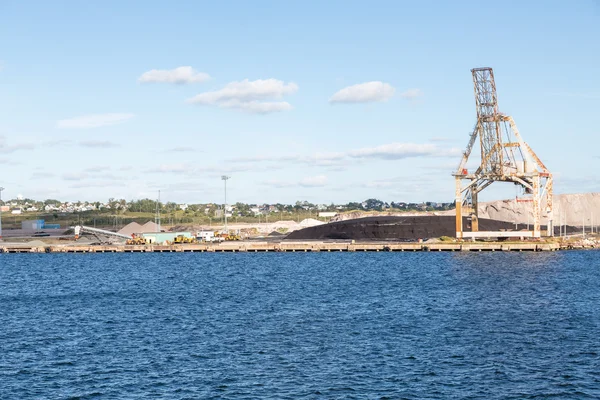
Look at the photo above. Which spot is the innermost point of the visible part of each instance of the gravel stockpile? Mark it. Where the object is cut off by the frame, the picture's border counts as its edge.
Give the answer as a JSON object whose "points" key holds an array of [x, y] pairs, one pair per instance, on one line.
{"points": [[398, 228]]}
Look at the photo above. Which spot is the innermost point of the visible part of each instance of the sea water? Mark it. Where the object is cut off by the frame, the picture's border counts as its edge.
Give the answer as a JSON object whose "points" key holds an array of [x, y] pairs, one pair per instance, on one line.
{"points": [[300, 325]]}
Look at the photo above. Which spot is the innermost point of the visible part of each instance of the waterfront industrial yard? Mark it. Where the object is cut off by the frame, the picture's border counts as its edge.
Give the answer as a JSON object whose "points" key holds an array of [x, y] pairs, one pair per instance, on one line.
{"points": [[375, 234]]}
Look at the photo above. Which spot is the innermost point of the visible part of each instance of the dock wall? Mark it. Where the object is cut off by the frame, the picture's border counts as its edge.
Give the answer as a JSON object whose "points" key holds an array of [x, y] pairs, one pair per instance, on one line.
{"points": [[255, 247]]}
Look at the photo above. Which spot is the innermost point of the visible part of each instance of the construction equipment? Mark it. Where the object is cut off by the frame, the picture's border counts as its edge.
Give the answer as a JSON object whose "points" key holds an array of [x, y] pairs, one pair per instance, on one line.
{"points": [[232, 236], [136, 241], [228, 236], [502, 160], [181, 239]]}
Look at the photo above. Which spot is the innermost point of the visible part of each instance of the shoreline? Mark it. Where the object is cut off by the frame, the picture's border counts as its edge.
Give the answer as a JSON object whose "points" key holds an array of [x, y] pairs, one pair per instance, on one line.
{"points": [[303, 246]]}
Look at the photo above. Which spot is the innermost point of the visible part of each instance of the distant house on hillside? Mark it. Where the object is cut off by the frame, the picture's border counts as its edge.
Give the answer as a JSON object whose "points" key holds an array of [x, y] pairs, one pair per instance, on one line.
{"points": [[327, 214], [255, 210]]}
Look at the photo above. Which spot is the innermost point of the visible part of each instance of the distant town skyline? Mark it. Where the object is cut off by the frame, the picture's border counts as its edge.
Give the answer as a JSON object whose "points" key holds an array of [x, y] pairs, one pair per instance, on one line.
{"points": [[325, 101]]}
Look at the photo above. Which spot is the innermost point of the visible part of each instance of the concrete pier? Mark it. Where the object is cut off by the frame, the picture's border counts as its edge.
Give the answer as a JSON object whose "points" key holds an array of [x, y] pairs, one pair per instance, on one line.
{"points": [[256, 247]]}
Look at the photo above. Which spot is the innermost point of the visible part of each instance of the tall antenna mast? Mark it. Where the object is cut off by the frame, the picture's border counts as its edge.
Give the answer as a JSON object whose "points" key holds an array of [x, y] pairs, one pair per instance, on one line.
{"points": [[157, 214], [225, 178]]}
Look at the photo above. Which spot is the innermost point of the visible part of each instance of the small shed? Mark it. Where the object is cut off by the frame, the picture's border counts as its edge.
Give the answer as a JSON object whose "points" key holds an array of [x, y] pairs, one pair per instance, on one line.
{"points": [[32, 225]]}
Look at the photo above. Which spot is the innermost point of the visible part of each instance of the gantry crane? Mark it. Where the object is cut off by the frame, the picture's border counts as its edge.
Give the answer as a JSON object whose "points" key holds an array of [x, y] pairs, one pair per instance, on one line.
{"points": [[505, 157]]}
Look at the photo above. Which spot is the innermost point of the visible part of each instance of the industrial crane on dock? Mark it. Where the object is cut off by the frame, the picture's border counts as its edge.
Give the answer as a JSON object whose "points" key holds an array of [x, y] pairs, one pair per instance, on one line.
{"points": [[505, 157]]}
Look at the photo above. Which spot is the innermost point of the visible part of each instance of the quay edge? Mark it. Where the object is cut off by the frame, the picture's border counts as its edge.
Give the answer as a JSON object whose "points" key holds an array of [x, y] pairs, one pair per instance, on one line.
{"points": [[285, 247]]}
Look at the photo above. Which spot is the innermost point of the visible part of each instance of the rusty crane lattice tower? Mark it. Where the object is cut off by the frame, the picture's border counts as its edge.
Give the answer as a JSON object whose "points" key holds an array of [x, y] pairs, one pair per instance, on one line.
{"points": [[505, 157]]}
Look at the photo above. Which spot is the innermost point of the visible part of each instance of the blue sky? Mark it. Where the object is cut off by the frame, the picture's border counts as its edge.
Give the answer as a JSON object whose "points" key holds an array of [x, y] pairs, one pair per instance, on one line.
{"points": [[323, 101]]}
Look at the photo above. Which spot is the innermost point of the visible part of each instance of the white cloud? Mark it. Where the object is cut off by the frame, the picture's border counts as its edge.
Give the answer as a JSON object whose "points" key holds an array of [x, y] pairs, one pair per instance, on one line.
{"points": [[57, 142], [319, 159], [182, 187], [378, 184], [218, 170], [333, 161], [179, 75], [249, 96], [255, 159], [188, 169], [398, 151], [110, 177], [364, 93], [94, 121], [326, 159], [308, 182], [5, 148], [181, 149], [411, 94], [98, 168], [439, 139], [391, 151], [170, 168], [96, 184], [314, 181], [42, 175], [98, 143], [278, 184], [16, 147], [247, 90], [258, 107], [74, 176]]}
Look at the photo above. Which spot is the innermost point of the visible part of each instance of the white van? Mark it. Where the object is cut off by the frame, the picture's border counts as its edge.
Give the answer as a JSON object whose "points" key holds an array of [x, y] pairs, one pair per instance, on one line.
{"points": [[208, 236]]}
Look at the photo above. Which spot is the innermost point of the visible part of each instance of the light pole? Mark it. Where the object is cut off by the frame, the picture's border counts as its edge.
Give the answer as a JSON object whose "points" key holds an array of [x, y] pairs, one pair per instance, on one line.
{"points": [[225, 178], [157, 215], [1, 189]]}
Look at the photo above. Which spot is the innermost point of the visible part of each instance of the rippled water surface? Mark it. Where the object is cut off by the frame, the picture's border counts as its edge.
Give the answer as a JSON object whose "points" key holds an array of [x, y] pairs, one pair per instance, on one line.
{"points": [[302, 325]]}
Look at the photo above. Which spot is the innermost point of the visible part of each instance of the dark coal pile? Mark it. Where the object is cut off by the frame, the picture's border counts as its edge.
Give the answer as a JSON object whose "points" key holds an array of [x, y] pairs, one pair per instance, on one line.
{"points": [[397, 228]]}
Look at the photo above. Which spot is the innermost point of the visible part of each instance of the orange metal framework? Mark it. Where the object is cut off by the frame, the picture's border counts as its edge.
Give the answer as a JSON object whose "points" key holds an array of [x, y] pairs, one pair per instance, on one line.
{"points": [[503, 159]]}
